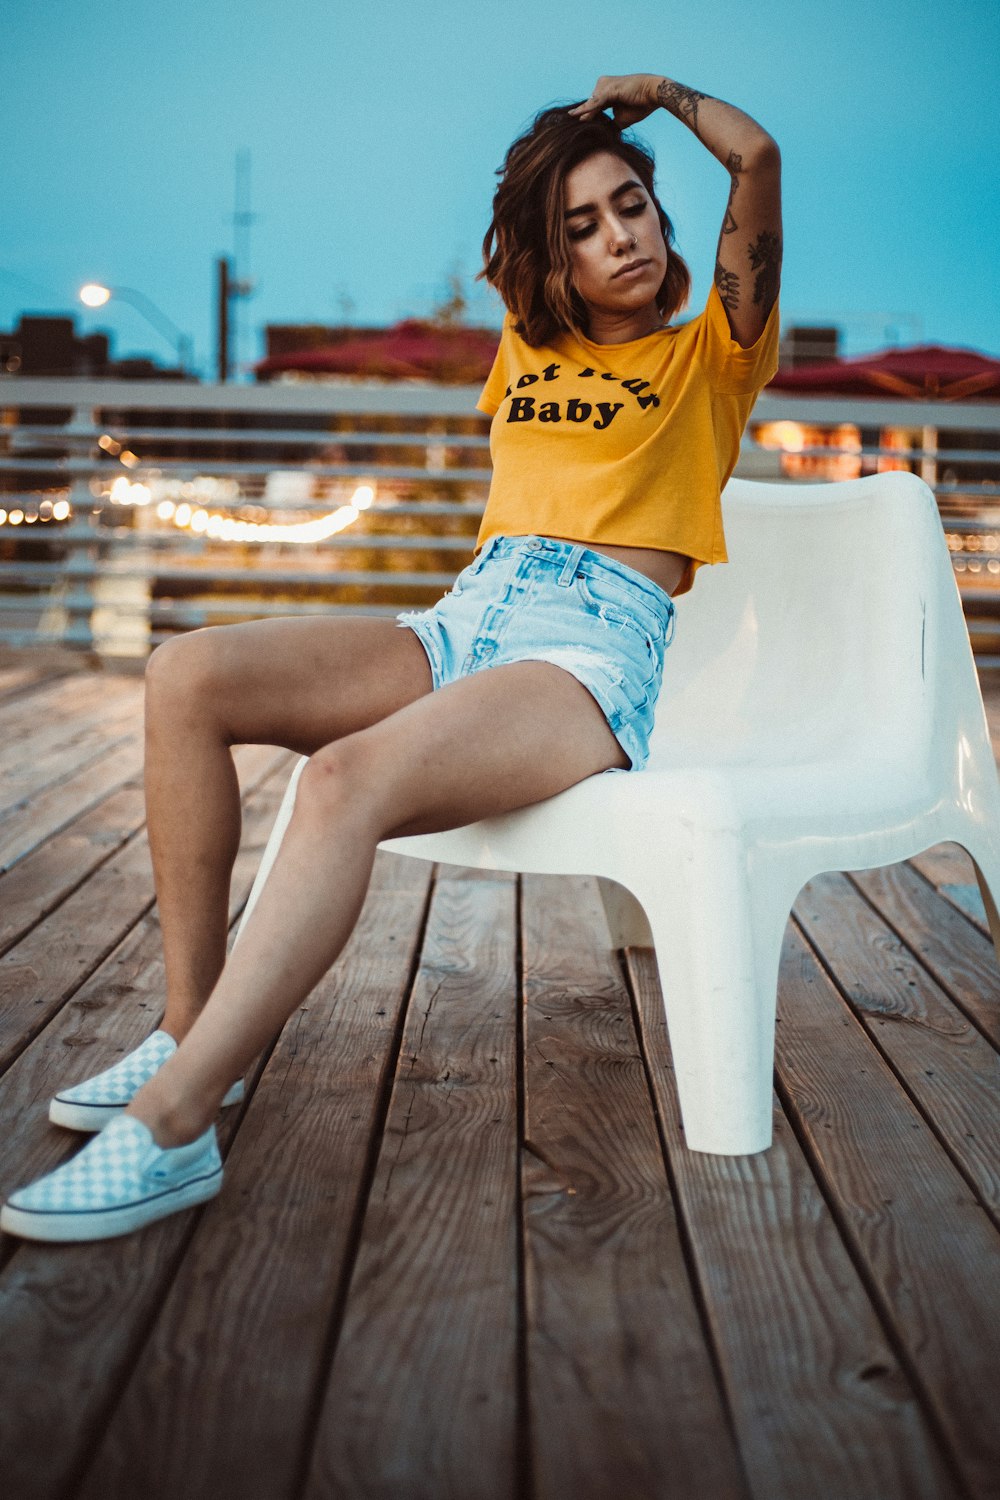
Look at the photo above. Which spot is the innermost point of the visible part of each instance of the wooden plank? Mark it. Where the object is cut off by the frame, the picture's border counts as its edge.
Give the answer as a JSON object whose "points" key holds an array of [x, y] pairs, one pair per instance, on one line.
{"points": [[49, 696], [27, 824], [422, 1394], [64, 750], [820, 1403], [624, 1399], [39, 883], [267, 1268], [951, 935], [26, 677], [58, 706], [948, 1068], [928, 1253], [74, 1318], [14, 679], [41, 971], [948, 867]]}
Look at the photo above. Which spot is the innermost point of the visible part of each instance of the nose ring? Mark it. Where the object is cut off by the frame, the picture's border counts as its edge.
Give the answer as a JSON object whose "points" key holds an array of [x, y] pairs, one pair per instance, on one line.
{"points": [[634, 242]]}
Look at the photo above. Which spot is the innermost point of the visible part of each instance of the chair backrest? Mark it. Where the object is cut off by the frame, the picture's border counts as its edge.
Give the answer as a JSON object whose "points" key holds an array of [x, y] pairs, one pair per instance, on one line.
{"points": [[833, 627]]}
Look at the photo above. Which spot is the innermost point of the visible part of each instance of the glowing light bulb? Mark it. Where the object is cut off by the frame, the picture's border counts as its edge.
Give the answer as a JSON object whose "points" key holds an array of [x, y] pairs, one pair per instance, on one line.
{"points": [[94, 295]]}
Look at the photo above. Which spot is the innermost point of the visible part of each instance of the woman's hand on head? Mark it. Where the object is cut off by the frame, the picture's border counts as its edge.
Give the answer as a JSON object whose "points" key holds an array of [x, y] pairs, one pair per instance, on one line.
{"points": [[630, 98]]}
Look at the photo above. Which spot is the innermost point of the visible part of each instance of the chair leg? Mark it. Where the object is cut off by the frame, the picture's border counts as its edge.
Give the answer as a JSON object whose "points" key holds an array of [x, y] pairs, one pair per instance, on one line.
{"points": [[718, 919], [986, 863], [627, 922], [270, 854]]}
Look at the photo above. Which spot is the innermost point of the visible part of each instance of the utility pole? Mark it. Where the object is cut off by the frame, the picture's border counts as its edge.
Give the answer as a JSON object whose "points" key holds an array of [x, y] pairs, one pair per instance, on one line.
{"points": [[231, 275], [226, 289], [223, 293]]}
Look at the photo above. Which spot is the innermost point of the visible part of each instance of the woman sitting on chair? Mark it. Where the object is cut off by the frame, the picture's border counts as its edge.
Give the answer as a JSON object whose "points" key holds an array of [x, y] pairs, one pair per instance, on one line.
{"points": [[612, 436]]}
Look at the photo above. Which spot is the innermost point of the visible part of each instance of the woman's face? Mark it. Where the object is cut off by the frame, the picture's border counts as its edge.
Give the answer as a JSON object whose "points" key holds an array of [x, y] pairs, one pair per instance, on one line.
{"points": [[605, 206]]}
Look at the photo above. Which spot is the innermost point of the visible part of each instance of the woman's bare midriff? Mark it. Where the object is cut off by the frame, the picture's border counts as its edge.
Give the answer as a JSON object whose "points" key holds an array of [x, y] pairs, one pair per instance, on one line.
{"points": [[664, 568]]}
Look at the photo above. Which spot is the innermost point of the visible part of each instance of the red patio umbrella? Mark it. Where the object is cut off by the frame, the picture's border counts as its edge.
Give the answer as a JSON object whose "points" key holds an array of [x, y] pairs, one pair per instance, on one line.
{"points": [[923, 372], [413, 350]]}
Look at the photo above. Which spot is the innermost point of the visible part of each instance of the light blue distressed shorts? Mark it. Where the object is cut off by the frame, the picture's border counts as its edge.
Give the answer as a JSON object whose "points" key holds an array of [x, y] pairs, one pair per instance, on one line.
{"points": [[532, 598]]}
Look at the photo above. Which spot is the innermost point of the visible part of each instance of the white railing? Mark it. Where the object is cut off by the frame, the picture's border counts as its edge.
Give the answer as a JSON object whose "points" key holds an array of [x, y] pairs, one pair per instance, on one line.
{"points": [[131, 510]]}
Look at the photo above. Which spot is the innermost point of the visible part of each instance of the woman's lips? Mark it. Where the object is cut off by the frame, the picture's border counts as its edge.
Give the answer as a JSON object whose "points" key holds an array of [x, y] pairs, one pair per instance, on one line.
{"points": [[632, 269]]}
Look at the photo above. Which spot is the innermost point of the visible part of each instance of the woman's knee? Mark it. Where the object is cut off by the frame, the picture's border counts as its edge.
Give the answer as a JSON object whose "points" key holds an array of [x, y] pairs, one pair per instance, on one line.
{"points": [[337, 779], [183, 671]]}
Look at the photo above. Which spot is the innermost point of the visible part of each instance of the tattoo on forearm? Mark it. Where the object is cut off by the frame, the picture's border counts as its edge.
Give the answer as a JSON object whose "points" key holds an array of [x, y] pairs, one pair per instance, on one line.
{"points": [[680, 101], [765, 259], [734, 163], [729, 286]]}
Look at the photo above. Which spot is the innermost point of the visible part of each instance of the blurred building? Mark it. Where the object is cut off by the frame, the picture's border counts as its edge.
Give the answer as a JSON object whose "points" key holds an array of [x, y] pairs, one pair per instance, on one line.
{"points": [[450, 353], [807, 345], [43, 345]]}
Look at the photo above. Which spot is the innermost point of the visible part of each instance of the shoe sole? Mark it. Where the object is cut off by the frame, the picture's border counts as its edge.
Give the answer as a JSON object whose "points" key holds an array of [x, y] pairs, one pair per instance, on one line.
{"points": [[105, 1224], [93, 1117]]}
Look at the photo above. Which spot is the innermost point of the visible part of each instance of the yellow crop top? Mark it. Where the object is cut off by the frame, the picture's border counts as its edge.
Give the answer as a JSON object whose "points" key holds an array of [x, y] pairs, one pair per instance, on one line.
{"points": [[629, 444]]}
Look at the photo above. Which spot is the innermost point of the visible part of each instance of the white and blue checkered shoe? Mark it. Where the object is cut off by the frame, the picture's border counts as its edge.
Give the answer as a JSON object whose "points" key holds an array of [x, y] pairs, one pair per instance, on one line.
{"points": [[94, 1103], [120, 1181]]}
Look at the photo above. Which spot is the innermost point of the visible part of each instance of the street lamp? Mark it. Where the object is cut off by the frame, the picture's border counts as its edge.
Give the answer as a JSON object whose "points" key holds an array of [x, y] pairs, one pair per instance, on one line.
{"points": [[96, 295]]}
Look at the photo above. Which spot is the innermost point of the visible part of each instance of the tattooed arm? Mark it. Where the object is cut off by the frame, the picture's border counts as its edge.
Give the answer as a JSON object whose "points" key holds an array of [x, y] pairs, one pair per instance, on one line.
{"points": [[748, 259]]}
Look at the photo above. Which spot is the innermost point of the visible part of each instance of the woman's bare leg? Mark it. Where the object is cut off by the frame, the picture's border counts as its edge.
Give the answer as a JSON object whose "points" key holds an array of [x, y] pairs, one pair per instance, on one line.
{"points": [[486, 744], [296, 683]]}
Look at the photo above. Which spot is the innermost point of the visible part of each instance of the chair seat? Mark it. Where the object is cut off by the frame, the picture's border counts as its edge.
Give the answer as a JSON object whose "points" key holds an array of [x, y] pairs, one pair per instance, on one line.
{"points": [[838, 814]]}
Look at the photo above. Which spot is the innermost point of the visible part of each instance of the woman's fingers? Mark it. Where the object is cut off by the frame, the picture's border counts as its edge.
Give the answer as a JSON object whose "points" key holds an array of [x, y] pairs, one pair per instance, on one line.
{"points": [[601, 96], [624, 96], [587, 109]]}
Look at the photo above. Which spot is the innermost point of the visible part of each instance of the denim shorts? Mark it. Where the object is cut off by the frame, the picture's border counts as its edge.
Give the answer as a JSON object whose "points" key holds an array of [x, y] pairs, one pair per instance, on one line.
{"points": [[532, 598]]}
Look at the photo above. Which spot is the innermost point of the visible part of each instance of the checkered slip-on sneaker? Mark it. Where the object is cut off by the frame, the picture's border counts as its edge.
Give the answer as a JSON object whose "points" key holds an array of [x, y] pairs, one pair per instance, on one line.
{"points": [[120, 1181], [92, 1104]]}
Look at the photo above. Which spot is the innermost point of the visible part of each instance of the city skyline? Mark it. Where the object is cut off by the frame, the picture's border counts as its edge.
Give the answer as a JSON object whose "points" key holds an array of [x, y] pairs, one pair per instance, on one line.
{"points": [[372, 140]]}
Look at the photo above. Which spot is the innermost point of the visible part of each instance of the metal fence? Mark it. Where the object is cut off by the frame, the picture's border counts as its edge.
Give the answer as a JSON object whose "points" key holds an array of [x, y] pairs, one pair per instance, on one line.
{"points": [[132, 510]]}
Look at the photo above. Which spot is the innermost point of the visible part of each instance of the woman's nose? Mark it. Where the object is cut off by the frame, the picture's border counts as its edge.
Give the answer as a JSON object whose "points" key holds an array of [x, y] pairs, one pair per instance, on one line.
{"points": [[620, 237]]}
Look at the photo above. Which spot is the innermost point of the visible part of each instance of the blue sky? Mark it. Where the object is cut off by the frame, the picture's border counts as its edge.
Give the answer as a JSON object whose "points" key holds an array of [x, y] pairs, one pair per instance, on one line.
{"points": [[374, 131]]}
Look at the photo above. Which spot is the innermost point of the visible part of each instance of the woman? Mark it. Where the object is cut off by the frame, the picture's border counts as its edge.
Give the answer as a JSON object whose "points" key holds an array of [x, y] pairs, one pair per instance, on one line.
{"points": [[613, 433]]}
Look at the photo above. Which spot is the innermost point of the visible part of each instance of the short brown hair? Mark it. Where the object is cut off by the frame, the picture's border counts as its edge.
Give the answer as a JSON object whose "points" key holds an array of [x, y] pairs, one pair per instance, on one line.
{"points": [[529, 263]]}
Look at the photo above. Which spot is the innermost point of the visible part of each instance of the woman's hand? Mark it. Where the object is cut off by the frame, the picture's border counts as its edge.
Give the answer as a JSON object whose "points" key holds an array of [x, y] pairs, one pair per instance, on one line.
{"points": [[630, 98]]}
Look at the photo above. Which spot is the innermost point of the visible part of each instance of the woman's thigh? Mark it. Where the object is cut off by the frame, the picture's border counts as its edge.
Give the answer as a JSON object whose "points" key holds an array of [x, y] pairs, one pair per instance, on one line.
{"points": [[300, 683], [486, 744]]}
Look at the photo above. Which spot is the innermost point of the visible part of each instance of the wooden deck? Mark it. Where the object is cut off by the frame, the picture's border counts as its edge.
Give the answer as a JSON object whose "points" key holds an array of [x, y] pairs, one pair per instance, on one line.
{"points": [[461, 1249]]}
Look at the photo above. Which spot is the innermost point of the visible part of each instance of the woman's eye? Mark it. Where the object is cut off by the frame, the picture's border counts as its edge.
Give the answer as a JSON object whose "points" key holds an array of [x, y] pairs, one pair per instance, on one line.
{"points": [[584, 230], [631, 212]]}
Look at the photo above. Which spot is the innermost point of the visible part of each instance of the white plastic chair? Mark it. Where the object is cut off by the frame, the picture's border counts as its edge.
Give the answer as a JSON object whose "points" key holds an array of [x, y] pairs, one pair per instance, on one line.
{"points": [[820, 710]]}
